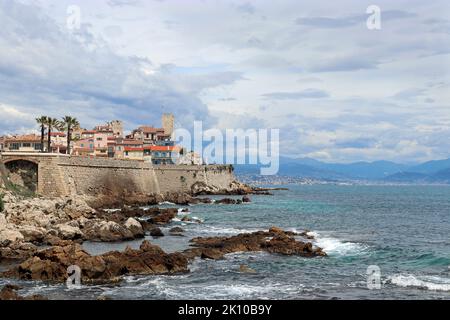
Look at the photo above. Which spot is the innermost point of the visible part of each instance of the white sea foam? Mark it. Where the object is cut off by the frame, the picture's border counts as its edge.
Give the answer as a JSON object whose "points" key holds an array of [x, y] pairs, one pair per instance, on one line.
{"points": [[226, 231], [334, 246], [182, 213], [432, 283], [166, 203]]}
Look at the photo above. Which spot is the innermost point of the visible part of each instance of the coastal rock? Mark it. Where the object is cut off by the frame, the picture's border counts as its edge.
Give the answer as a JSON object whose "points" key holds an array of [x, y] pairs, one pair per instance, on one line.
{"points": [[107, 231], [9, 292], [246, 199], [225, 201], [3, 222], [274, 241], [135, 227], [162, 216], [156, 232], [246, 269], [51, 264], [17, 251], [176, 229], [8, 236], [32, 234], [68, 232]]}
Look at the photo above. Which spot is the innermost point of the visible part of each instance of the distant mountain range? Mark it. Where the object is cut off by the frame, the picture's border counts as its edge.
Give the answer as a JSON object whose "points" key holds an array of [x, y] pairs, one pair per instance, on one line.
{"points": [[436, 171]]}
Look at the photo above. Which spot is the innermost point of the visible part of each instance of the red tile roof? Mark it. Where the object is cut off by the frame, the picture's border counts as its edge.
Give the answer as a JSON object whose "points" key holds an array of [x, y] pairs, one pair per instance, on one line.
{"points": [[27, 138], [162, 148], [133, 149]]}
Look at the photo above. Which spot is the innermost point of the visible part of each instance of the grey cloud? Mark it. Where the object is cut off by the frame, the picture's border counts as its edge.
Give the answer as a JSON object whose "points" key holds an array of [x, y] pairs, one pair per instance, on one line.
{"points": [[305, 94], [409, 94], [58, 73], [350, 63], [246, 8], [349, 21], [123, 3]]}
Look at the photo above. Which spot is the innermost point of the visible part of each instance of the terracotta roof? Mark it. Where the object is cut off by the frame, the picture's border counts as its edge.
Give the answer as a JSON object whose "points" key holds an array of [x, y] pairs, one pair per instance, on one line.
{"points": [[27, 138], [57, 134], [131, 142], [162, 148], [88, 132], [133, 149], [147, 129]]}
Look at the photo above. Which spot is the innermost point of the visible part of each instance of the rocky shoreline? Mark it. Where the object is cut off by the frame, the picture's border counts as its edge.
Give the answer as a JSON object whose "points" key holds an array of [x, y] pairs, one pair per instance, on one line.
{"points": [[43, 237]]}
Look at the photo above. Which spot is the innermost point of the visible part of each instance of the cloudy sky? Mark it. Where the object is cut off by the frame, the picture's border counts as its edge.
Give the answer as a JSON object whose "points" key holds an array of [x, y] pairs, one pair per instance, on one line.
{"points": [[336, 90]]}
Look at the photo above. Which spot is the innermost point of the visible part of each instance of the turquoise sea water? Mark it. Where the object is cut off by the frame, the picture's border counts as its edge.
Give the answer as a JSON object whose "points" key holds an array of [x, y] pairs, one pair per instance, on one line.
{"points": [[404, 230]]}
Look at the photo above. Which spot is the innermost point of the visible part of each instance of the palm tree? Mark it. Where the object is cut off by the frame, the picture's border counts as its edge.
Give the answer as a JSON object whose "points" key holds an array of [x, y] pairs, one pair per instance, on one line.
{"points": [[42, 122], [52, 123], [69, 123]]}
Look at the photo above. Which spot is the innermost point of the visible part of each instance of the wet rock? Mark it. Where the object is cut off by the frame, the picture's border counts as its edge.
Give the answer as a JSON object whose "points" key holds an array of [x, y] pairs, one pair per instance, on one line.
{"points": [[176, 230], [210, 253], [156, 232], [161, 216], [107, 231], [18, 251], [273, 241], [246, 199], [9, 292], [226, 201], [135, 227], [51, 264], [246, 269]]}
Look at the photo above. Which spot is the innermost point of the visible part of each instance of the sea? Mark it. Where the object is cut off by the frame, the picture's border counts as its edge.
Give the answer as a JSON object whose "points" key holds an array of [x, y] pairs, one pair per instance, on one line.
{"points": [[382, 241]]}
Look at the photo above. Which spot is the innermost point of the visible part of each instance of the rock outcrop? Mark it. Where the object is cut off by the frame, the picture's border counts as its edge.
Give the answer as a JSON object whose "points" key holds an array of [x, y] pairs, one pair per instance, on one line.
{"points": [[9, 292], [51, 264], [273, 241]]}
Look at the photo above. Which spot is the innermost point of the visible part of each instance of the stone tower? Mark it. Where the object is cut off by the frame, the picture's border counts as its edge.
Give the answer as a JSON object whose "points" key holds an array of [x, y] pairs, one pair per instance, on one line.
{"points": [[168, 123], [117, 128]]}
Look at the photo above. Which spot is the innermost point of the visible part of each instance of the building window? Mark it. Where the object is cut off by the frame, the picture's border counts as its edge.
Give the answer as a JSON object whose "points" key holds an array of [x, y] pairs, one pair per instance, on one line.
{"points": [[14, 146], [26, 145], [37, 146], [126, 153]]}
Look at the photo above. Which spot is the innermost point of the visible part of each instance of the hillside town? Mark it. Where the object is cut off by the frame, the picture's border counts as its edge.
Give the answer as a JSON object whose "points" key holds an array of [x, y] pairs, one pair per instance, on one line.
{"points": [[145, 143]]}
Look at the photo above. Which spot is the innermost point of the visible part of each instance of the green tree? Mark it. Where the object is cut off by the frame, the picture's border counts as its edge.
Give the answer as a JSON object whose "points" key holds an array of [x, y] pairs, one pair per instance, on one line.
{"points": [[52, 123], [42, 122], [69, 124]]}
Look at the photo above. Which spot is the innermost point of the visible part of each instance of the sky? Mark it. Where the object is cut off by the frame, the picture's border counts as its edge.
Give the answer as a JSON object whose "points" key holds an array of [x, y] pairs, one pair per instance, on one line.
{"points": [[337, 90]]}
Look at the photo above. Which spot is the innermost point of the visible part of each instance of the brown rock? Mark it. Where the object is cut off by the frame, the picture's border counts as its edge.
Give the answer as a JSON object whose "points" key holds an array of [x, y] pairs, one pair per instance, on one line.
{"points": [[156, 232], [274, 241], [51, 264], [9, 292]]}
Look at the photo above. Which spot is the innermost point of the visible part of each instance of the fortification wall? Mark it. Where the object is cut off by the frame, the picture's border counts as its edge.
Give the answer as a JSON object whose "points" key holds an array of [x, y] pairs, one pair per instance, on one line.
{"points": [[64, 175], [84, 175], [187, 178]]}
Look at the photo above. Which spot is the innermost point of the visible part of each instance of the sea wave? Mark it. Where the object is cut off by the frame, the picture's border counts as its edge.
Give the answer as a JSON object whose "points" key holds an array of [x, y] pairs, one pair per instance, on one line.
{"points": [[334, 246], [432, 283]]}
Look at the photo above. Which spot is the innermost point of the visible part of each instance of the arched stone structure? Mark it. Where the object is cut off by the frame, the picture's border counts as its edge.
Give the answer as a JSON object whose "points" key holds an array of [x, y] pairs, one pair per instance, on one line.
{"points": [[23, 173]]}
